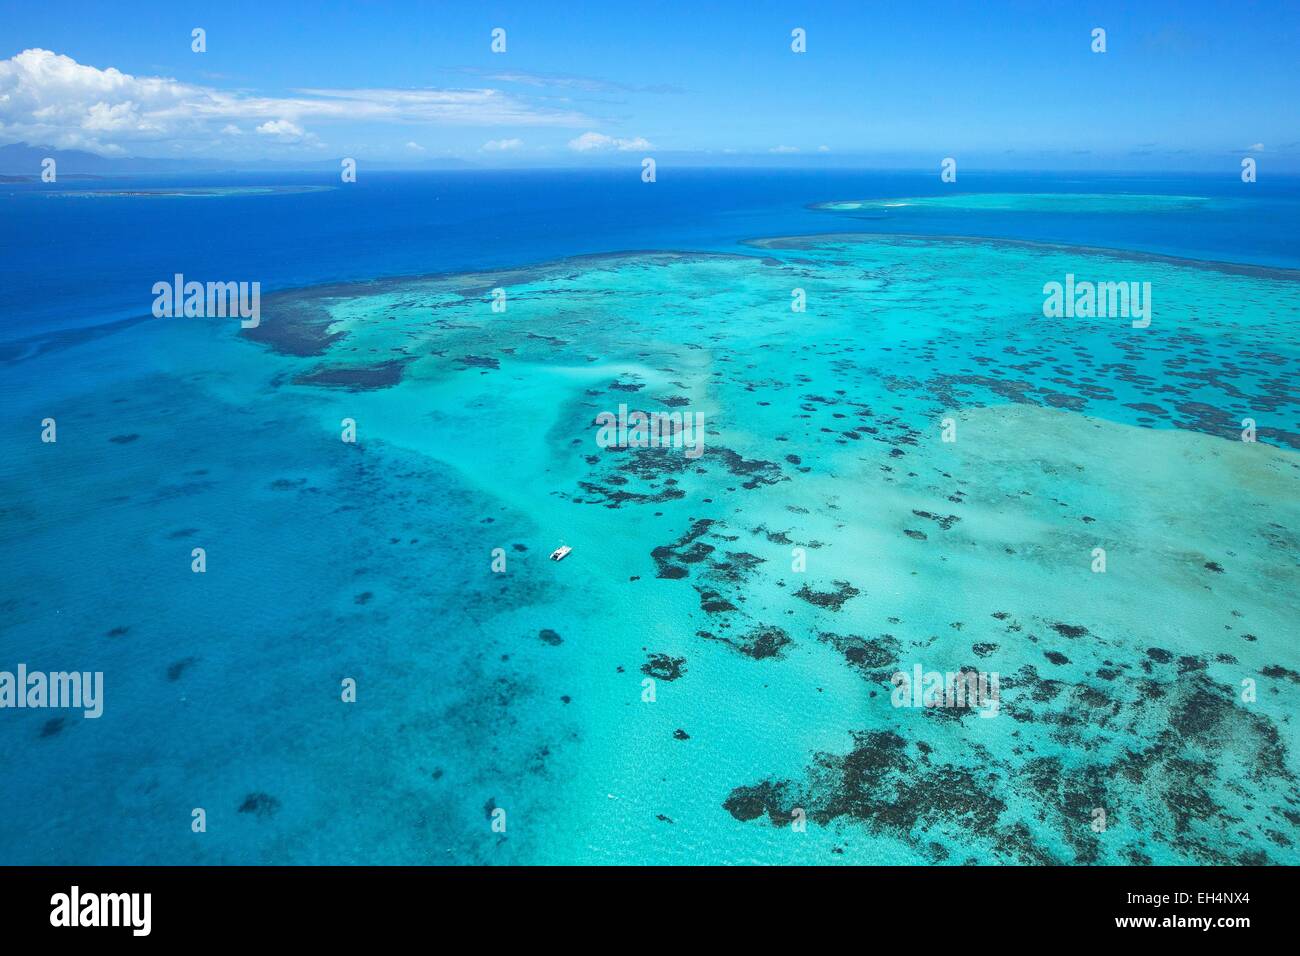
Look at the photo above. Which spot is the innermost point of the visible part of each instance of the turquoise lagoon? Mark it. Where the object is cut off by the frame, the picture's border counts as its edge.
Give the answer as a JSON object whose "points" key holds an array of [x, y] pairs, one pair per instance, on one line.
{"points": [[827, 537], [1030, 203]]}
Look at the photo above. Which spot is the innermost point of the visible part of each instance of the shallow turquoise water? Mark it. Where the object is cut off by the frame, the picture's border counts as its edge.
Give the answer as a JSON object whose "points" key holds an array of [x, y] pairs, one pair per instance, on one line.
{"points": [[523, 690], [1090, 203]]}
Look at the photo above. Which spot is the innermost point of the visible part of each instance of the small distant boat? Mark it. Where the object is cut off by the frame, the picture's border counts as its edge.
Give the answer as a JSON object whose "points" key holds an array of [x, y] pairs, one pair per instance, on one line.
{"points": [[560, 553]]}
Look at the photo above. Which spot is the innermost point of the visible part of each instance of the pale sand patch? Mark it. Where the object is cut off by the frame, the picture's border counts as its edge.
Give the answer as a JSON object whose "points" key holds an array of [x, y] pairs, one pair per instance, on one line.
{"points": [[1165, 503]]}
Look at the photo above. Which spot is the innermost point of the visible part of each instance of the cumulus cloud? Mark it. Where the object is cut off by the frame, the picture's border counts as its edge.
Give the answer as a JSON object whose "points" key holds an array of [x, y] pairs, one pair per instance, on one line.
{"points": [[281, 129], [588, 142], [49, 98], [784, 149], [1255, 147], [502, 145], [415, 147]]}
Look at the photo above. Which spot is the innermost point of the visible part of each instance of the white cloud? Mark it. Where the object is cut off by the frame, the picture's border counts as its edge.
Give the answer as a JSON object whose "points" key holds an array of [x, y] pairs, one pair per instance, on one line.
{"points": [[784, 149], [502, 145], [570, 81], [1255, 147], [459, 107], [823, 149], [598, 141], [415, 147], [281, 129], [50, 99]]}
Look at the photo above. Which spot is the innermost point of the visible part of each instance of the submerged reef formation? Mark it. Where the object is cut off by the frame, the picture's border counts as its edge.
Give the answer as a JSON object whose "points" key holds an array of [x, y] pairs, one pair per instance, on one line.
{"points": [[920, 470], [919, 474]]}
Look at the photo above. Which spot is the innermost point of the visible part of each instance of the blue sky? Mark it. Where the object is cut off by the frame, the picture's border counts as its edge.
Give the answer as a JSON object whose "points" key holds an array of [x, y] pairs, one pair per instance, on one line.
{"points": [[1182, 85]]}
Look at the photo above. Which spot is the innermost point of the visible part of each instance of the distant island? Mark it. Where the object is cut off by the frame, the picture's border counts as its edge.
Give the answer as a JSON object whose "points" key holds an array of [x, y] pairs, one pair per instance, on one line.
{"points": [[36, 179], [188, 192]]}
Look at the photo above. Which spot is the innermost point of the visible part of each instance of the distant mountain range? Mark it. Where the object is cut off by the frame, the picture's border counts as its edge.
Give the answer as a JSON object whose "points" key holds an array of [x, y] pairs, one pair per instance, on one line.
{"points": [[21, 162], [19, 159]]}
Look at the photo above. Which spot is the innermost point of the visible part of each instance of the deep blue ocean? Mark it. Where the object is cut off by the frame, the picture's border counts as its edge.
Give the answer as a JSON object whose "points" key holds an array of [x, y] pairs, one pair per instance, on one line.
{"points": [[70, 262]]}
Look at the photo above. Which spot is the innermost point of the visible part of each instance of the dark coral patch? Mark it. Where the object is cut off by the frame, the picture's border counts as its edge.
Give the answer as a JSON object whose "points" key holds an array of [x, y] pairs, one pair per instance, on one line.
{"points": [[755, 471], [664, 667], [354, 378], [177, 669], [668, 558], [750, 803], [878, 784], [260, 805], [943, 521], [834, 600], [761, 643], [1069, 630], [1277, 670], [296, 327], [863, 653], [712, 602]]}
